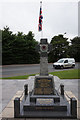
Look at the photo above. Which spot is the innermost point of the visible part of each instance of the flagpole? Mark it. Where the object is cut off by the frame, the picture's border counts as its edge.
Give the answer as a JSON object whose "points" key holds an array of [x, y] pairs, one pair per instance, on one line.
{"points": [[42, 30], [41, 34]]}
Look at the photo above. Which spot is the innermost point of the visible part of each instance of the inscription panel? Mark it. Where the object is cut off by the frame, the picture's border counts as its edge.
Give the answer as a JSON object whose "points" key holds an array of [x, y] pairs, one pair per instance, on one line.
{"points": [[46, 101], [43, 83], [45, 108], [43, 87]]}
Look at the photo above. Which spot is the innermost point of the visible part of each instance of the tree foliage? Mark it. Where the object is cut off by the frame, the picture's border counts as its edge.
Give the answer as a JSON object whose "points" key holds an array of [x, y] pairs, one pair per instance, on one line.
{"points": [[60, 48], [18, 48], [74, 49], [7, 39]]}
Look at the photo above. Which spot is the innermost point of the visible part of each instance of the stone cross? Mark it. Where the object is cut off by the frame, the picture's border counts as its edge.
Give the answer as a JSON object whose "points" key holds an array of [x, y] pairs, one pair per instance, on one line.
{"points": [[44, 48]]}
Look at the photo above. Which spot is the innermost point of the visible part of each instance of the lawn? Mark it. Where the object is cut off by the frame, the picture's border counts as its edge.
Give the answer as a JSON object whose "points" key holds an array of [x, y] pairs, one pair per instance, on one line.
{"points": [[19, 77], [66, 74]]}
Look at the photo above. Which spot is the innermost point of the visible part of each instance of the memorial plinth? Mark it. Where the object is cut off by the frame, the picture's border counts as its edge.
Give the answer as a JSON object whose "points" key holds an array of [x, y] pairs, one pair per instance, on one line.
{"points": [[44, 101], [44, 85]]}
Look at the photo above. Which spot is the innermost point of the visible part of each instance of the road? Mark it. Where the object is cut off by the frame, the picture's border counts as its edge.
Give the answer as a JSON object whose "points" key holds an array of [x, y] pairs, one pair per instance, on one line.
{"points": [[25, 69]]}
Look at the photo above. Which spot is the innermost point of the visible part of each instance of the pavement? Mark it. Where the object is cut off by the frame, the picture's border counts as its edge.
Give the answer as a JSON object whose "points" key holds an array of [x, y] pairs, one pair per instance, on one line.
{"points": [[10, 87]]}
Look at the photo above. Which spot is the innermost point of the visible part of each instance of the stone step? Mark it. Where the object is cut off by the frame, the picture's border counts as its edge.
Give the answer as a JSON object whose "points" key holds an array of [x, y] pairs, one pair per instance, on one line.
{"points": [[44, 108], [46, 114], [33, 98]]}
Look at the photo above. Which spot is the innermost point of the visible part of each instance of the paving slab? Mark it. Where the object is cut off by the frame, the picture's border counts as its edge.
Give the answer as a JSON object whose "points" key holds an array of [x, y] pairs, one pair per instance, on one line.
{"points": [[8, 112], [10, 87]]}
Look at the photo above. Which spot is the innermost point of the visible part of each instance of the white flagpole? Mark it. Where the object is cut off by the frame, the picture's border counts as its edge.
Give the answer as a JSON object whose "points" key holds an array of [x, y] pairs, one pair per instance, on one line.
{"points": [[41, 34]]}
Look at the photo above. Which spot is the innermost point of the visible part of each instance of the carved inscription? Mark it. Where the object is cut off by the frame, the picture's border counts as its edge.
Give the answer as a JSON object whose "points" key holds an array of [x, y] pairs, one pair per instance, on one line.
{"points": [[44, 108], [45, 101], [39, 91], [43, 87]]}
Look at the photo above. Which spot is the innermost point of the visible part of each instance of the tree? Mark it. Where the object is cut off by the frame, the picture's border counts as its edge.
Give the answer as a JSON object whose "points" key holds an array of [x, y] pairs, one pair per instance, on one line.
{"points": [[18, 48], [74, 49], [60, 47], [31, 55], [7, 39]]}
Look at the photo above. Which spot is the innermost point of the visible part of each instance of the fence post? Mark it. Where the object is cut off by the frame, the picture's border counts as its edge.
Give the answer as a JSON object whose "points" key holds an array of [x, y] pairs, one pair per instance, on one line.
{"points": [[16, 107], [73, 107], [25, 90], [62, 89]]}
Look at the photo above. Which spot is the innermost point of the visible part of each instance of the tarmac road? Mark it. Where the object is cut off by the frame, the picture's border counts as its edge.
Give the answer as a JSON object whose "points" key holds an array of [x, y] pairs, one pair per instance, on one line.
{"points": [[25, 69]]}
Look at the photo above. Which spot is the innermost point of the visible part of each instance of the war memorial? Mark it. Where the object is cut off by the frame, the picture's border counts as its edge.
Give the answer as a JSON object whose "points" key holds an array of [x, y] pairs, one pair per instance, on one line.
{"points": [[44, 101]]}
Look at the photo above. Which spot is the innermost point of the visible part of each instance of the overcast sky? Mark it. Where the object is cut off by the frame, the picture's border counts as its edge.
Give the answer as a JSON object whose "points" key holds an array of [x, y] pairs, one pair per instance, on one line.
{"points": [[23, 15]]}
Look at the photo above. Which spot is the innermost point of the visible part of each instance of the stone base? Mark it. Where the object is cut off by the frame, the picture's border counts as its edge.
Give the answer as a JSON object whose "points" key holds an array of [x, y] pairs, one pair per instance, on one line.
{"points": [[36, 106], [8, 112], [44, 101]]}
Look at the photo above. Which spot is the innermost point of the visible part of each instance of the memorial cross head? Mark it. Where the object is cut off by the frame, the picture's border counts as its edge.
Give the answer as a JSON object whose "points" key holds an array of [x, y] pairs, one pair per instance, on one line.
{"points": [[44, 47]]}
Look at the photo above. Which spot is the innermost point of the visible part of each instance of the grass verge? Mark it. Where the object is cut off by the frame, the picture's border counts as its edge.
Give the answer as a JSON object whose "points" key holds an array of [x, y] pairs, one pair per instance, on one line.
{"points": [[19, 77], [66, 74]]}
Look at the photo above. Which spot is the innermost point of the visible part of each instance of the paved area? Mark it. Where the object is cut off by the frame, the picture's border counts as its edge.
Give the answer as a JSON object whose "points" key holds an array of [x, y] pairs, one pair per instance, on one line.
{"points": [[18, 70], [10, 87]]}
